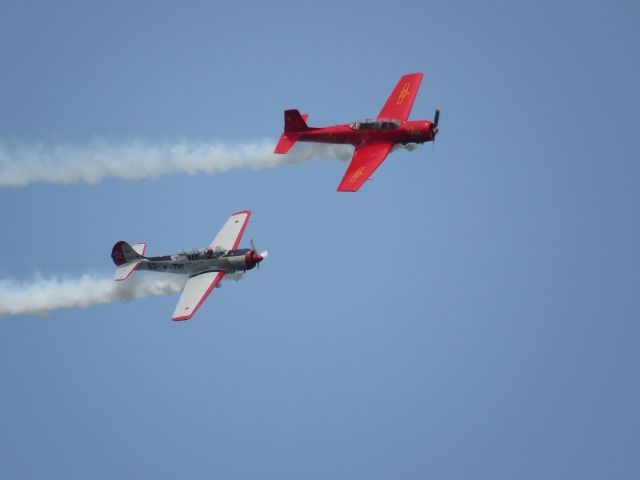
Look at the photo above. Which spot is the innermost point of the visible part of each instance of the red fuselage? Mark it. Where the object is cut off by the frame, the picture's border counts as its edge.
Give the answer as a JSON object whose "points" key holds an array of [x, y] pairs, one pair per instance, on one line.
{"points": [[357, 133], [373, 139]]}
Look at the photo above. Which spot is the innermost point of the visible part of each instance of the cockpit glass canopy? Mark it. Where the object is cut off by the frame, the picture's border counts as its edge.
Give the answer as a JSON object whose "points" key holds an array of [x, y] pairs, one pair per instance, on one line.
{"points": [[195, 255], [377, 124]]}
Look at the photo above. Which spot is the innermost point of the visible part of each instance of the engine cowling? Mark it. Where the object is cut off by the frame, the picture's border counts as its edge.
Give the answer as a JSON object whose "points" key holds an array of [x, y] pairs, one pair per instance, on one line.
{"points": [[252, 259], [239, 260]]}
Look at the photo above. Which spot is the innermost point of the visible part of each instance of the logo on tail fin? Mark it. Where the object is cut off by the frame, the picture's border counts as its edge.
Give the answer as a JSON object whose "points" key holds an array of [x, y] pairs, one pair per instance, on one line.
{"points": [[123, 253], [117, 256]]}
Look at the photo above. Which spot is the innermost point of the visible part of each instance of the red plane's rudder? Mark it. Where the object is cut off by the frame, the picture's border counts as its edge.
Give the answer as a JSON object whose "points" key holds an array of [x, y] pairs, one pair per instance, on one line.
{"points": [[294, 121]]}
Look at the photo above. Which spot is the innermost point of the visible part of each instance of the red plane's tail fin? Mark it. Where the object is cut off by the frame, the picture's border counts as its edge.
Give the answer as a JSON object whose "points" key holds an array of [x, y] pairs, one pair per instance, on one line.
{"points": [[294, 122]]}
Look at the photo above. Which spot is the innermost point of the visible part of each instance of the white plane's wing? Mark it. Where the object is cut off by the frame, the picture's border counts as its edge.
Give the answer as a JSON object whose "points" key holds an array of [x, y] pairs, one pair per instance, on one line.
{"points": [[195, 291], [229, 236]]}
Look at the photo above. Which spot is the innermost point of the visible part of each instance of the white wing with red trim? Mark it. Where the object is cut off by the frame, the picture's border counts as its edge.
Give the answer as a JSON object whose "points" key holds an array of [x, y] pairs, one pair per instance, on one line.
{"points": [[229, 236], [195, 291]]}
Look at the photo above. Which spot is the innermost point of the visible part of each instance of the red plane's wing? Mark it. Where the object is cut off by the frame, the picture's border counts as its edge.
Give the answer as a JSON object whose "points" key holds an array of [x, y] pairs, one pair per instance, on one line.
{"points": [[364, 162], [401, 99]]}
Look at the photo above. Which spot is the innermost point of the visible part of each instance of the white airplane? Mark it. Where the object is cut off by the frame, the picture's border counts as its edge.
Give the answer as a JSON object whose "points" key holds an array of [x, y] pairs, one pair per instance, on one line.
{"points": [[204, 267]]}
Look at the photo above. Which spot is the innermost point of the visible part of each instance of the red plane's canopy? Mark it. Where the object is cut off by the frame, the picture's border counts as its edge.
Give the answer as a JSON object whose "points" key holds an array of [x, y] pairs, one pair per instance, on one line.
{"points": [[378, 124]]}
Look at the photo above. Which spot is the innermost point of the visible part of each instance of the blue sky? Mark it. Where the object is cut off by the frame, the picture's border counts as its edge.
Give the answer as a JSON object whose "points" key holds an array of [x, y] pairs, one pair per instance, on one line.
{"points": [[473, 311]]}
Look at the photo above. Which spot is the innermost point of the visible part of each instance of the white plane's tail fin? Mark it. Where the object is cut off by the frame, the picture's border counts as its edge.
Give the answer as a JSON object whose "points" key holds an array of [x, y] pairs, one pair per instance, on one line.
{"points": [[127, 258]]}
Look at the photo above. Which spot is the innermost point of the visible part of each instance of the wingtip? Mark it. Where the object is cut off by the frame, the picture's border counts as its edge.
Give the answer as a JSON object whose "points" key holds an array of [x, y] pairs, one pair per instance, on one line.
{"points": [[346, 189], [248, 212]]}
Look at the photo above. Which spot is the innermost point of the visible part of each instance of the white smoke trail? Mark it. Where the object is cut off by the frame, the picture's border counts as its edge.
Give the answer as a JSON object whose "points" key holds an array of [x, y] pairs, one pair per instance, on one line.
{"points": [[408, 146], [41, 295], [21, 165]]}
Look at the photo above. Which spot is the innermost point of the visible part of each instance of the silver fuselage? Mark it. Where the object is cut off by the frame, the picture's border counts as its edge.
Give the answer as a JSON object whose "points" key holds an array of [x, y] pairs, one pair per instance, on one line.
{"points": [[200, 262]]}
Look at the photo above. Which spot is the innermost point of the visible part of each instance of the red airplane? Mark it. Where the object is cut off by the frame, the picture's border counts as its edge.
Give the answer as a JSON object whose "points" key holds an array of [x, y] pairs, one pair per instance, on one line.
{"points": [[372, 139]]}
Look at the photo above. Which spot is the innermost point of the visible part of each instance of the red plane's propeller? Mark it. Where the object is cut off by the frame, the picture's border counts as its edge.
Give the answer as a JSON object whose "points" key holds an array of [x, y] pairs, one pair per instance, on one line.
{"points": [[434, 126]]}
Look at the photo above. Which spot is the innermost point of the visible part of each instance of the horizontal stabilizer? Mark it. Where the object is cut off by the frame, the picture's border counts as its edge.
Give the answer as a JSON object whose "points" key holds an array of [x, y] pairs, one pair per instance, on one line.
{"points": [[123, 271], [286, 142]]}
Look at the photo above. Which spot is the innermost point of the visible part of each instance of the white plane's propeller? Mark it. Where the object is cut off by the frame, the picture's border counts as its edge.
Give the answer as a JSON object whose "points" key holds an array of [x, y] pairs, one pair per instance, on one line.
{"points": [[261, 256]]}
